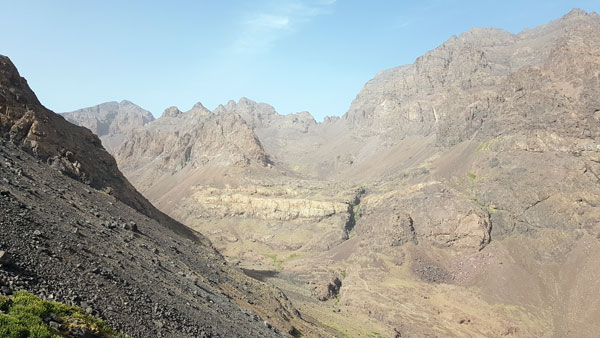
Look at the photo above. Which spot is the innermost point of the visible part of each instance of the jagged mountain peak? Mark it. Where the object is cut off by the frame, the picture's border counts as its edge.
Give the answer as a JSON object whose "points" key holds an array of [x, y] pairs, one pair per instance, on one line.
{"points": [[230, 103], [197, 111], [257, 114], [199, 107], [127, 103], [171, 112], [189, 140], [577, 12]]}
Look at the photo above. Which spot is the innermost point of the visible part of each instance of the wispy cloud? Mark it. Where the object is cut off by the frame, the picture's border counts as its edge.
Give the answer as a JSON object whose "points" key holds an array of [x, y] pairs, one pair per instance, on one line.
{"points": [[269, 22], [403, 23], [417, 13], [260, 29]]}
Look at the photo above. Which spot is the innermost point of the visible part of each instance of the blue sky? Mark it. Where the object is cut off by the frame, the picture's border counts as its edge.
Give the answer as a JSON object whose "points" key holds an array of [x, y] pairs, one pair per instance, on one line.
{"points": [[296, 55]]}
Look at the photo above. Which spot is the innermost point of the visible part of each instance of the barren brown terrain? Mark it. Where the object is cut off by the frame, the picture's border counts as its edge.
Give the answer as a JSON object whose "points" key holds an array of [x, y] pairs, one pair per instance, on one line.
{"points": [[459, 196]]}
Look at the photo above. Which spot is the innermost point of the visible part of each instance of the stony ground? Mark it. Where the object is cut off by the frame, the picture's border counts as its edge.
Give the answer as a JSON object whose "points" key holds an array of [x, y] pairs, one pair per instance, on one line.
{"points": [[65, 241]]}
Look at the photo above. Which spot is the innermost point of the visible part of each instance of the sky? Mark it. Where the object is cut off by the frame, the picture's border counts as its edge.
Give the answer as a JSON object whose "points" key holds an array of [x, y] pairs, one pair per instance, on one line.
{"points": [[297, 55]]}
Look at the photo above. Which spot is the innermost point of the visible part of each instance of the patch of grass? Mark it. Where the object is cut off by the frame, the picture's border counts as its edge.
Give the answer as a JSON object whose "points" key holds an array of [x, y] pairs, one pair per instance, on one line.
{"points": [[277, 262], [23, 314], [375, 334], [336, 328], [294, 255], [486, 146], [472, 177], [491, 208], [343, 273], [356, 211], [479, 203]]}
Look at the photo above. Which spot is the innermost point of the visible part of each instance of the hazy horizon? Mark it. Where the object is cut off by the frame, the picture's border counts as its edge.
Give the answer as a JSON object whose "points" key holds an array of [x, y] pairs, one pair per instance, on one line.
{"points": [[295, 55]]}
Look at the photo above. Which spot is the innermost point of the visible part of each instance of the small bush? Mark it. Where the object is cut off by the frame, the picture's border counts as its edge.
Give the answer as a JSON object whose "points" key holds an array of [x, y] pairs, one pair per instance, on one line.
{"points": [[23, 316]]}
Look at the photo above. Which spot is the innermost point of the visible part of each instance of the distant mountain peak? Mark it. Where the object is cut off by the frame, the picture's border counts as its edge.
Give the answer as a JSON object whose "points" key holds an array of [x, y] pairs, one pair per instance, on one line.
{"points": [[199, 106], [127, 103], [171, 112], [245, 100], [110, 120], [485, 34], [575, 12]]}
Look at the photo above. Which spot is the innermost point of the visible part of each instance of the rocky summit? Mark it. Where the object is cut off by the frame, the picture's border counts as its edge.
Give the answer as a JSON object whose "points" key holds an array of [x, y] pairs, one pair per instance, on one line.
{"points": [[111, 121], [459, 196]]}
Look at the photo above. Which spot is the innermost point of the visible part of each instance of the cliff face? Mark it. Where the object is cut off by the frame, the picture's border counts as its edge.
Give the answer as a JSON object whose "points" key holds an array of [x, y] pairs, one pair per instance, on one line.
{"points": [[191, 140], [488, 82], [261, 204], [111, 121]]}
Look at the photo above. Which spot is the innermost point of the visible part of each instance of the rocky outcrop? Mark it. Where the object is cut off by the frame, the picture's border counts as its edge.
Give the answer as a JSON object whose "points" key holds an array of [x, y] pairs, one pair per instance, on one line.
{"points": [[111, 121], [257, 115], [328, 288], [425, 213], [278, 133], [238, 202], [4, 257], [277, 217], [74, 150]]}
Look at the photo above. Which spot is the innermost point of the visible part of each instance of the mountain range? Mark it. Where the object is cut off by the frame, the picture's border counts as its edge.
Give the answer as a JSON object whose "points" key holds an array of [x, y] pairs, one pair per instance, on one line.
{"points": [[457, 197], [75, 230]]}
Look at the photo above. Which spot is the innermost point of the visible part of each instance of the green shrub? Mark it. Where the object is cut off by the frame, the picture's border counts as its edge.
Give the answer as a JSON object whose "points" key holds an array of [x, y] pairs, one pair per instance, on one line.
{"points": [[23, 317]]}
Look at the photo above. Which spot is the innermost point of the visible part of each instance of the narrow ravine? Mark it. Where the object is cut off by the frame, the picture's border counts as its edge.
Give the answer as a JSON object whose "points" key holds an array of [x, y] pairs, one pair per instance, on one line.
{"points": [[352, 206]]}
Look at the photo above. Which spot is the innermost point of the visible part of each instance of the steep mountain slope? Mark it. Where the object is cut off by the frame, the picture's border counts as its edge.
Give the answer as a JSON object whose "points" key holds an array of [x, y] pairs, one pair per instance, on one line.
{"points": [[111, 121], [103, 247], [494, 200], [487, 83], [74, 151]]}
